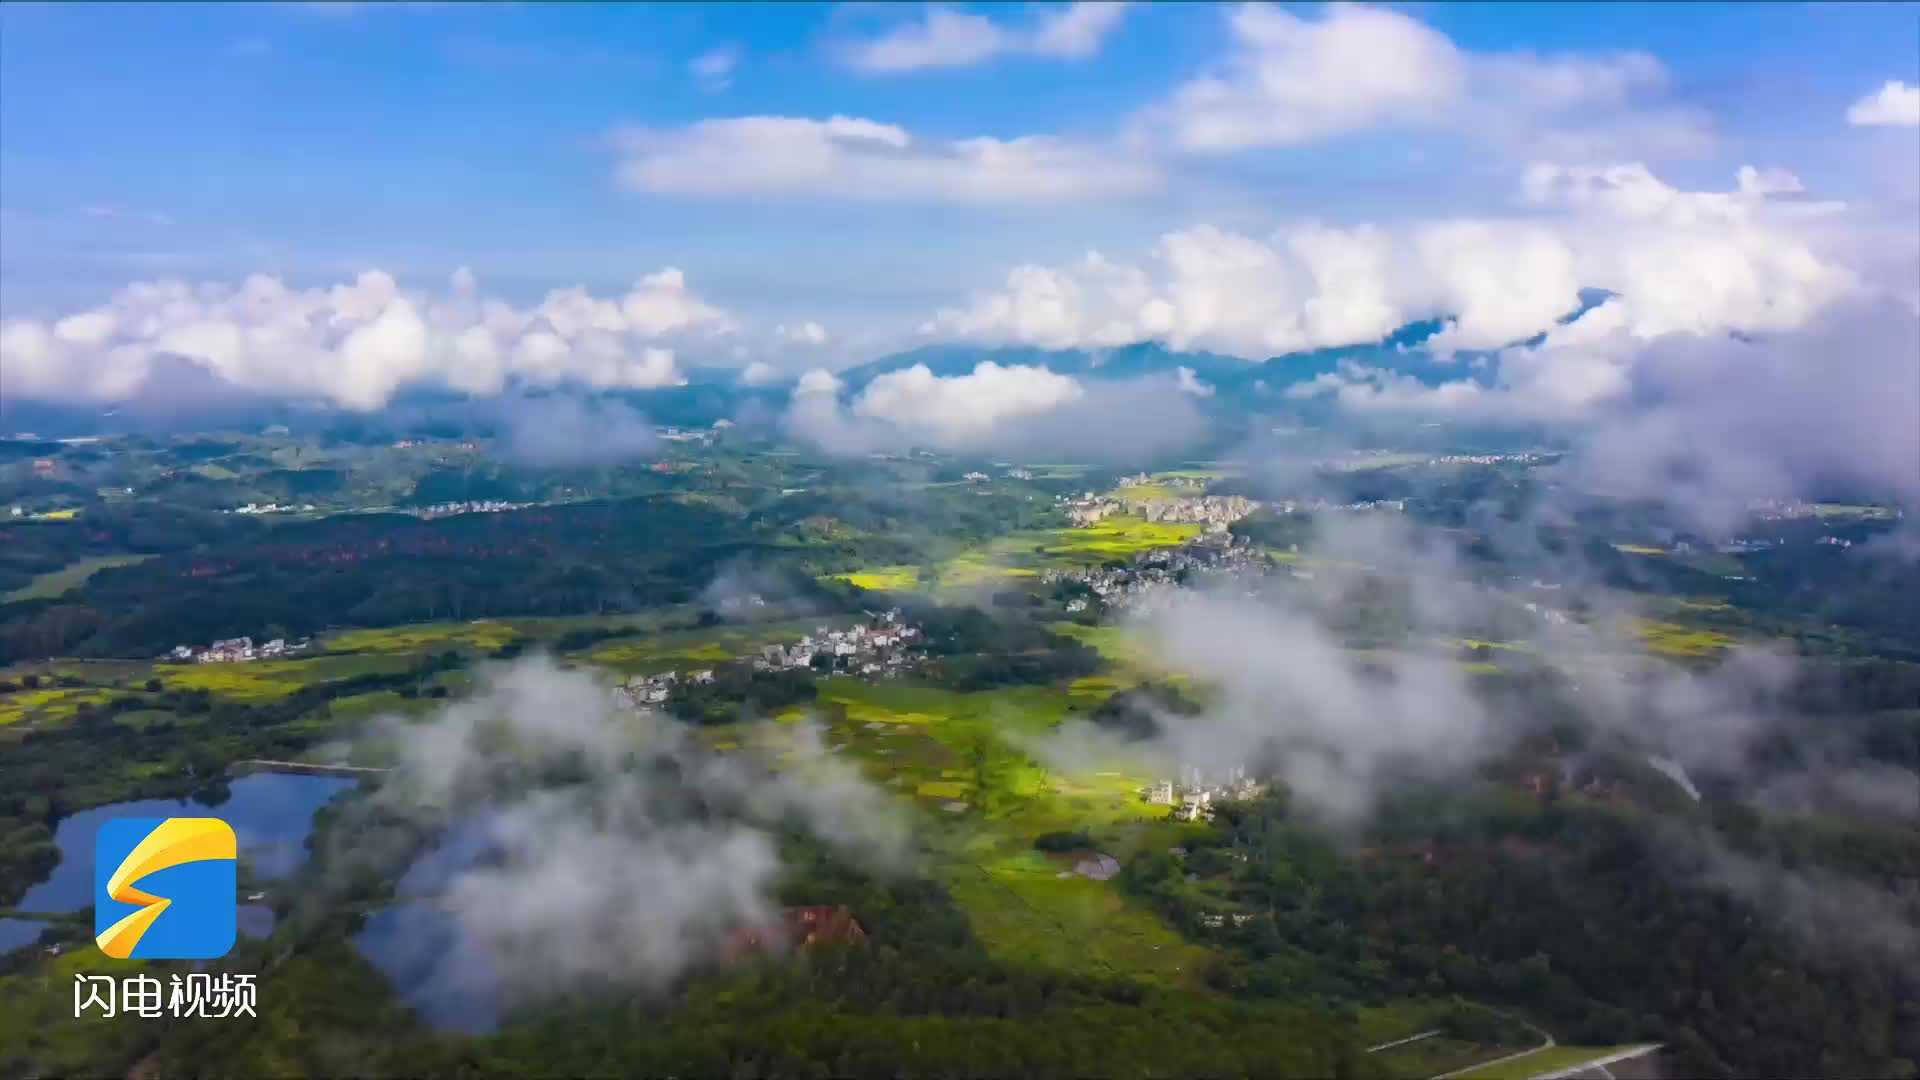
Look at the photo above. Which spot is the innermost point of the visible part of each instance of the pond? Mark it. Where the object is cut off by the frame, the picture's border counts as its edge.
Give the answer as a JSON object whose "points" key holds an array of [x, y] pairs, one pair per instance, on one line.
{"points": [[450, 984], [15, 933], [418, 946], [271, 814]]}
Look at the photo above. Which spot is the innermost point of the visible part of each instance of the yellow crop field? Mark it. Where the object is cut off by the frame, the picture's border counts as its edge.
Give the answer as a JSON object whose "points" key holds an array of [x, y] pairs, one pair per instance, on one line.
{"points": [[884, 578], [485, 634], [45, 704], [266, 680], [942, 789], [972, 571], [1639, 549], [1121, 536], [1674, 639]]}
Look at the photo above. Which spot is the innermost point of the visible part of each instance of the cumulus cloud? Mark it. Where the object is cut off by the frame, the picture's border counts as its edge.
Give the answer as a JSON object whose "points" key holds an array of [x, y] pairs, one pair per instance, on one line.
{"points": [[759, 373], [1700, 262], [632, 861], [1291, 80], [946, 37], [1018, 409], [846, 157], [1895, 104], [356, 344], [962, 408]]}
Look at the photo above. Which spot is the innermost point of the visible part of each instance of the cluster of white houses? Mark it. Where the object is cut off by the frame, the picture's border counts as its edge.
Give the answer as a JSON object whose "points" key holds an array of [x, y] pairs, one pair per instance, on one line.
{"points": [[883, 647], [1149, 572], [469, 506], [1194, 795], [657, 688], [236, 650], [1216, 511]]}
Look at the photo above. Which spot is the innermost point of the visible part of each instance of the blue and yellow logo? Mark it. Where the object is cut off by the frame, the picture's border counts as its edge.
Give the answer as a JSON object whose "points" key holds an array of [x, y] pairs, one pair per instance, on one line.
{"points": [[186, 873]]}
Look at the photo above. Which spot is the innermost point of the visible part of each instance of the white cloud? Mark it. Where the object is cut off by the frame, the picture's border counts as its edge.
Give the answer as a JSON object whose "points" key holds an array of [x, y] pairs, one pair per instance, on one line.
{"points": [[1895, 104], [802, 333], [946, 37], [357, 343], [1008, 408], [759, 373], [1291, 80], [1189, 382], [854, 158], [1699, 262], [963, 408], [714, 69]]}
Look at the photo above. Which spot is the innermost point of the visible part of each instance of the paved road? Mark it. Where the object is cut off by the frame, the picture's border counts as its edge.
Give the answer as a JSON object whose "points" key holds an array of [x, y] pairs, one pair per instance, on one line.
{"points": [[1547, 1043], [1403, 1042], [1601, 1063]]}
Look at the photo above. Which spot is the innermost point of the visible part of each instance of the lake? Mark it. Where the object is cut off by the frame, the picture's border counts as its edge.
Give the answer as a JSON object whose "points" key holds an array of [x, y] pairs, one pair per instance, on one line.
{"points": [[271, 815]]}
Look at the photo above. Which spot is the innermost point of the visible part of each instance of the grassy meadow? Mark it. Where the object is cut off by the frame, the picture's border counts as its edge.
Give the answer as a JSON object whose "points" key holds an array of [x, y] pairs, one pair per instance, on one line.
{"points": [[70, 577]]}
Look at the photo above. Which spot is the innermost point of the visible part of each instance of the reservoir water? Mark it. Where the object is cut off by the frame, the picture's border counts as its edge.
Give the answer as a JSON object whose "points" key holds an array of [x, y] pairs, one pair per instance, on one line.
{"points": [[271, 815]]}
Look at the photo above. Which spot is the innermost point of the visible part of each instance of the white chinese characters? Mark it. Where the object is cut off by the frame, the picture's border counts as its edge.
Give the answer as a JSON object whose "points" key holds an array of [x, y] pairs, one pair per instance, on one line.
{"points": [[199, 994]]}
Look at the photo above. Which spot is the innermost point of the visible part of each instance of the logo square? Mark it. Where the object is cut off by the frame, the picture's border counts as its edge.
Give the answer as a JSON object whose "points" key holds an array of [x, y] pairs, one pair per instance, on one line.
{"points": [[165, 888]]}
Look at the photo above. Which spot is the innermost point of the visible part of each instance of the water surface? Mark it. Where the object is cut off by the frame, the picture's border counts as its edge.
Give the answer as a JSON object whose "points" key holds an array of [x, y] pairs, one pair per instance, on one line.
{"points": [[271, 815]]}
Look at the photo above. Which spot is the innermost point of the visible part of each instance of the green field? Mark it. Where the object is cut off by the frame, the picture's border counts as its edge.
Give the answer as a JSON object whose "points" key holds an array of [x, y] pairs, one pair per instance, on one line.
{"points": [[925, 743], [714, 645], [1552, 1059], [1843, 510], [266, 680], [69, 577], [486, 634]]}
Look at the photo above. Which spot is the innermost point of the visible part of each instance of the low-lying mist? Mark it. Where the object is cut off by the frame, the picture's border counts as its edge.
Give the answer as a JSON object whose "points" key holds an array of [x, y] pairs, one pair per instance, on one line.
{"points": [[583, 843]]}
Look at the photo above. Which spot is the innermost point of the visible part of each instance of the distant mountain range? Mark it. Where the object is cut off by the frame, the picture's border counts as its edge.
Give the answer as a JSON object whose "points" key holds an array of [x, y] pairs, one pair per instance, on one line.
{"points": [[711, 393]]}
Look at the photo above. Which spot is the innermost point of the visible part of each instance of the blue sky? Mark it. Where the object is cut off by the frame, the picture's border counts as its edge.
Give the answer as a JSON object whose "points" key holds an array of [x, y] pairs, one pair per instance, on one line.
{"points": [[207, 142]]}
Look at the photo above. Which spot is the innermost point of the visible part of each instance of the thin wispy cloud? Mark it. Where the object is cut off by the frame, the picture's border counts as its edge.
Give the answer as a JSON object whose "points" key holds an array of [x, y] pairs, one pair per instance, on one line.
{"points": [[713, 69], [947, 37]]}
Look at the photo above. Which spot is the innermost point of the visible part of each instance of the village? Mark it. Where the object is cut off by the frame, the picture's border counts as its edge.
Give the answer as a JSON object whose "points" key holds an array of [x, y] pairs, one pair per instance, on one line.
{"points": [[1218, 511], [879, 649], [471, 506], [237, 650], [1196, 793], [1150, 572]]}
